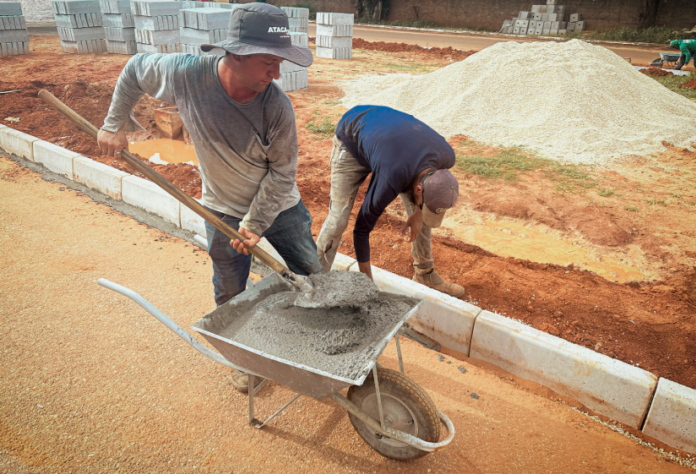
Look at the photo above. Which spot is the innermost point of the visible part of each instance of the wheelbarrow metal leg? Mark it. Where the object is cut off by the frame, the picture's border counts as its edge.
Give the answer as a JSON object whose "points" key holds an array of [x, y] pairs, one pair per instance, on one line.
{"points": [[379, 397], [398, 352], [278, 412], [252, 420]]}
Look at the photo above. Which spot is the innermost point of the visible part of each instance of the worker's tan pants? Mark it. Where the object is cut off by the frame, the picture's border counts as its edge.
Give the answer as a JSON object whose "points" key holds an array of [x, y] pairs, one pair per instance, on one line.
{"points": [[347, 174]]}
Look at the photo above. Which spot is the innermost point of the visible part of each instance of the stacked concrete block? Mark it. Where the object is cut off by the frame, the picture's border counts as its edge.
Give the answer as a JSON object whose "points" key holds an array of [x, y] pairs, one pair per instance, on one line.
{"points": [[203, 26], [298, 19], [292, 76], [335, 35], [542, 20], [119, 26], [79, 25], [156, 26], [575, 23], [14, 38]]}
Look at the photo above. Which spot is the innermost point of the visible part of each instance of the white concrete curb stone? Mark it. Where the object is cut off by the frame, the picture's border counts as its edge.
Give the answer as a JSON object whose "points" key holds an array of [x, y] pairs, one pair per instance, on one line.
{"points": [[150, 197], [55, 158], [342, 262], [672, 416], [192, 221], [19, 143], [98, 176], [447, 320], [605, 385]]}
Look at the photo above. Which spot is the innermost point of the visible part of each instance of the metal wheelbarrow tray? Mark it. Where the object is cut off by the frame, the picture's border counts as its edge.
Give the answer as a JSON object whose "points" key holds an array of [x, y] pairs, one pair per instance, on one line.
{"points": [[375, 428]]}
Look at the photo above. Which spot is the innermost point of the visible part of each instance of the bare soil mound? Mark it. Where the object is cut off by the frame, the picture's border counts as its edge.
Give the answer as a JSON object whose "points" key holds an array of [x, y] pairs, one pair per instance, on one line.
{"points": [[656, 72], [449, 53], [689, 84]]}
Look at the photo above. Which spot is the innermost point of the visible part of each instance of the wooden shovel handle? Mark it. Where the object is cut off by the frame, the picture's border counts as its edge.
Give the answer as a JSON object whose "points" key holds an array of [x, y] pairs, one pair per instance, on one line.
{"points": [[163, 183]]}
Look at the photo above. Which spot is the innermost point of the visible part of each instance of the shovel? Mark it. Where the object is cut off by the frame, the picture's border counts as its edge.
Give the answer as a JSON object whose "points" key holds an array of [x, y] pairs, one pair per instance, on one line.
{"points": [[296, 280]]}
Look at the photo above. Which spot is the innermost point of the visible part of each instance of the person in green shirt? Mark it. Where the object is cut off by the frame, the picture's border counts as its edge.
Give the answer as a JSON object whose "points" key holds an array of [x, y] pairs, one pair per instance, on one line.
{"points": [[687, 48]]}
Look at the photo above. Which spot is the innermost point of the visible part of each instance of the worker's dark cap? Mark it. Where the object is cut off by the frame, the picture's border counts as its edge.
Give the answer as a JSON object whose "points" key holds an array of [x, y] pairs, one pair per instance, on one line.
{"points": [[440, 192], [260, 28]]}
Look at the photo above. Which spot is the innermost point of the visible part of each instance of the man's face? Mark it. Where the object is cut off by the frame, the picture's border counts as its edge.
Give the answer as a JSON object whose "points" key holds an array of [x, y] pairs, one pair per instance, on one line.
{"points": [[258, 70]]}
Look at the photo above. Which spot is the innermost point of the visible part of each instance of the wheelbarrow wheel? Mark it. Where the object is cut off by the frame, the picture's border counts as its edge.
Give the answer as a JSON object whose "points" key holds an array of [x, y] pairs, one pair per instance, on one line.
{"points": [[406, 407]]}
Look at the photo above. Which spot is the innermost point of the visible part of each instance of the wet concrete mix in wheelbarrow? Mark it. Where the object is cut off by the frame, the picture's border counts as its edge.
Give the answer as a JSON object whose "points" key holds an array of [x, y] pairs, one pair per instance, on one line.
{"points": [[339, 340]]}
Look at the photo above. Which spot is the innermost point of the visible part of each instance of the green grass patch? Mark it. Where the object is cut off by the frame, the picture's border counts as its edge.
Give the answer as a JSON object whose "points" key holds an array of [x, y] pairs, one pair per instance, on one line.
{"points": [[673, 82], [606, 192], [631, 208], [655, 202], [332, 102], [509, 163], [326, 128]]}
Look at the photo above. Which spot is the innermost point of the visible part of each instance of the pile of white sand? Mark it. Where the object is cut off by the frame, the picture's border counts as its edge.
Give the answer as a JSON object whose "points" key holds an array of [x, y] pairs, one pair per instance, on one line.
{"points": [[571, 101]]}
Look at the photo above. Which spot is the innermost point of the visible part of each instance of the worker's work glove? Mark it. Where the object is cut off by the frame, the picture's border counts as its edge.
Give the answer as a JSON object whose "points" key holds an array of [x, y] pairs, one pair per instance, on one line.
{"points": [[243, 247], [111, 144]]}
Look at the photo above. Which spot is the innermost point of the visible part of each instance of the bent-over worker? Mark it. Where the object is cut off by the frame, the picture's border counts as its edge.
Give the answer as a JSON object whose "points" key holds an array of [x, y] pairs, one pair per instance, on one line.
{"points": [[243, 129], [687, 49], [406, 158]]}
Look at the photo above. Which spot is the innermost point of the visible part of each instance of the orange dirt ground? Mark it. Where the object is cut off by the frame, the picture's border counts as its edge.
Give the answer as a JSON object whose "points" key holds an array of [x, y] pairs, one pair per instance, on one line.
{"points": [[648, 221]]}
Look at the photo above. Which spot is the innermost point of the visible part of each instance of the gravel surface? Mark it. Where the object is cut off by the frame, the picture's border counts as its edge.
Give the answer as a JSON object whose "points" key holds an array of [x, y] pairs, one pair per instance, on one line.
{"points": [[572, 101], [91, 383]]}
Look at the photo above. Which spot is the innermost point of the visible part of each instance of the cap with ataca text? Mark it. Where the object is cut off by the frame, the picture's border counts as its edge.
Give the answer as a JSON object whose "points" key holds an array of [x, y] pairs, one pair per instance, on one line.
{"points": [[260, 28]]}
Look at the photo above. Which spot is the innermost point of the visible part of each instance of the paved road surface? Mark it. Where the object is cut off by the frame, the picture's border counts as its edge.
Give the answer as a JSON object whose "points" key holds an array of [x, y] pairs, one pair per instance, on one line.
{"points": [[639, 55]]}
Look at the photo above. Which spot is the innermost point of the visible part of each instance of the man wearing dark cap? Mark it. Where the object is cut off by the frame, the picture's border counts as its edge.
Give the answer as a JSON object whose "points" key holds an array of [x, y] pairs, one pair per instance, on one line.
{"points": [[406, 158], [243, 129]]}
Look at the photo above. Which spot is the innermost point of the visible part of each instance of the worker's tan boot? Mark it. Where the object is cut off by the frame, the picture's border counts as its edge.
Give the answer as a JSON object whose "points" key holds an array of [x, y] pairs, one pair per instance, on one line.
{"points": [[240, 381], [431, 279]]}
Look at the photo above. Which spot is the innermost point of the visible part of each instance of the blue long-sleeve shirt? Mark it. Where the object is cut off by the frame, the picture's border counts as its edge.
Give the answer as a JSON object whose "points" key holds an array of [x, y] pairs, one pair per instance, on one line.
{"points": [[397, 147]]}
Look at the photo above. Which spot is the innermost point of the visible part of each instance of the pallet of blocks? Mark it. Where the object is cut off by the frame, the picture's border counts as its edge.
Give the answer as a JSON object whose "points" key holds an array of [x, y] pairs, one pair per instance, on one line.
{"points": [[335, 35], [156, 26], [118, 26], [14, 38], [543, 20], [79, 25], [298, 19], [203, 26], [292, 76]]}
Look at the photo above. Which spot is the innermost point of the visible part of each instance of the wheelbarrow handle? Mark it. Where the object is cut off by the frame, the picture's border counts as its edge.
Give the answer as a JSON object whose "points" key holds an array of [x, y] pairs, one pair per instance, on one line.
{"points": [[177, 193], [164, 319]]}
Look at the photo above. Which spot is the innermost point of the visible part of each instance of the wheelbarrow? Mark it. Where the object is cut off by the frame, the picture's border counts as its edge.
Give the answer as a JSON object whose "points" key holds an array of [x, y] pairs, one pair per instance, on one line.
{"points": [[394, 415], [670, 60]]}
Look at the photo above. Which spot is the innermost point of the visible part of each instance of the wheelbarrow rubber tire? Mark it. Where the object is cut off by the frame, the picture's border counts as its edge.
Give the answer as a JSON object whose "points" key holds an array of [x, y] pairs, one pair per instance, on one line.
{"points": [[402, 399]]}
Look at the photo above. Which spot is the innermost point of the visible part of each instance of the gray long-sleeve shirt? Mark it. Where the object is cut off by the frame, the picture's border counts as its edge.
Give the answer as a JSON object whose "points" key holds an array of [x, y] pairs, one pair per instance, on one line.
{"points": [[247, 153]]}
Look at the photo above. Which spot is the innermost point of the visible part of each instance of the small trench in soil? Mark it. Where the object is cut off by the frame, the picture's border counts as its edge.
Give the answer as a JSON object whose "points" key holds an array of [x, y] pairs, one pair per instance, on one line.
{"points": [[545, 281]]}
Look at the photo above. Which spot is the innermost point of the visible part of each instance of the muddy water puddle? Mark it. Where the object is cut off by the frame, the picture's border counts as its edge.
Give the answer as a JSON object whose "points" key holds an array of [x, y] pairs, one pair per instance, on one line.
{"points": [[508, 239], [165, 150]]}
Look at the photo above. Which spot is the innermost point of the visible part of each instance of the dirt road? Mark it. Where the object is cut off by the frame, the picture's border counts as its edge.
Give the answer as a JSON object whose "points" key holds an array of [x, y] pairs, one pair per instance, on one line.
{"points": [[640, 55], [92, 383]]}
